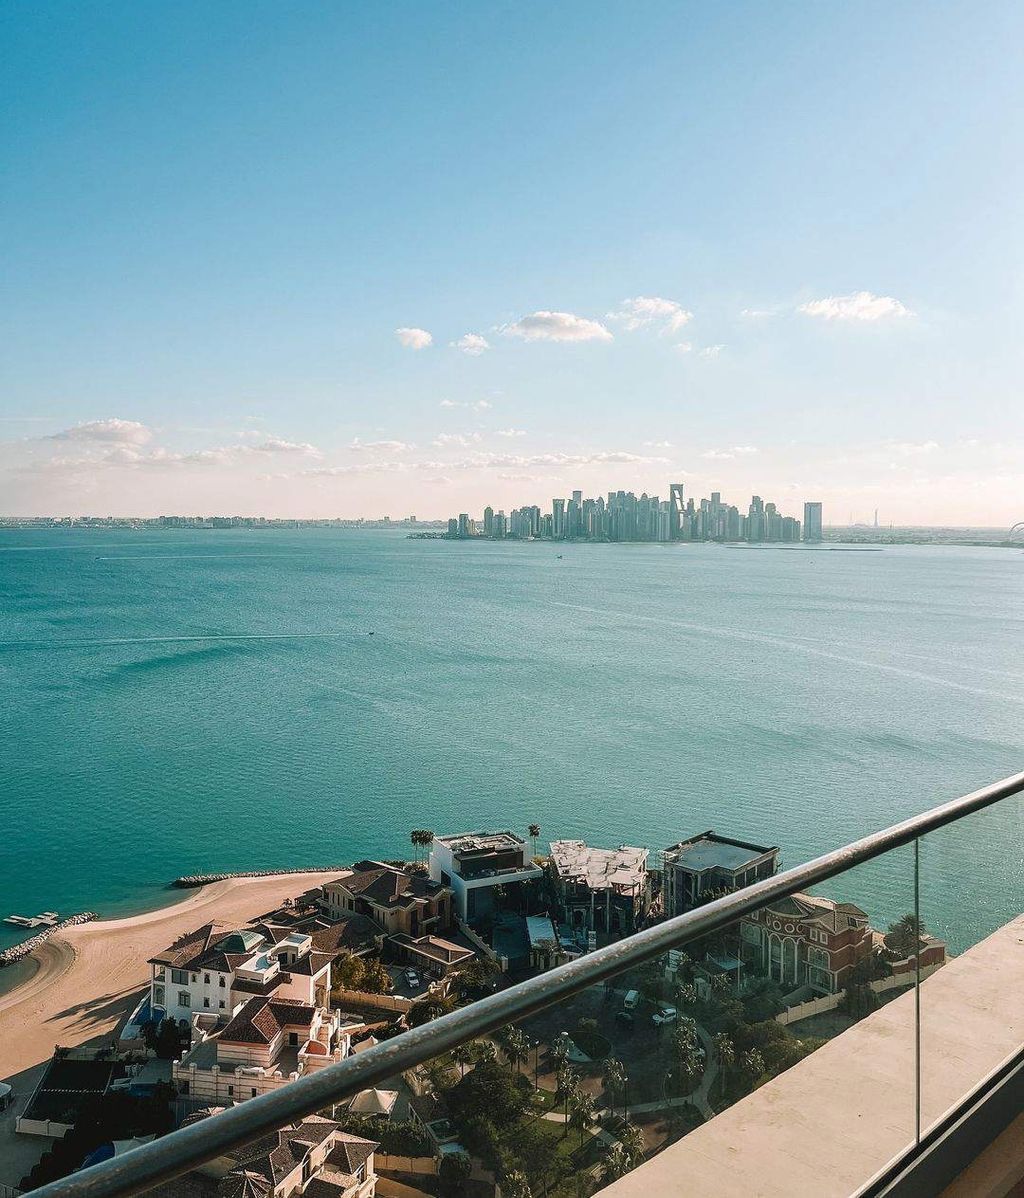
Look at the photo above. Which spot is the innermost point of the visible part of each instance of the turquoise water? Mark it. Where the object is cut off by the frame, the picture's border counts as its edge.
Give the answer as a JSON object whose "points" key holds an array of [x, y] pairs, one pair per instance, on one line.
{"points": [[177, 702]]}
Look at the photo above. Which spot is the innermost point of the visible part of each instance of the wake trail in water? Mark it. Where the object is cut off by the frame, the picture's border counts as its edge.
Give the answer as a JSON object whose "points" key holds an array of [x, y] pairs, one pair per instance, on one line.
{"points": [[171, 640], [188, 557], [777, 642]]}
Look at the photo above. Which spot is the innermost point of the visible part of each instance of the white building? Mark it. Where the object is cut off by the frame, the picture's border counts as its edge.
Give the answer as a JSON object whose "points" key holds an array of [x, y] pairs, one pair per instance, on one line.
{"points": [[216, 968], [473, 864]]}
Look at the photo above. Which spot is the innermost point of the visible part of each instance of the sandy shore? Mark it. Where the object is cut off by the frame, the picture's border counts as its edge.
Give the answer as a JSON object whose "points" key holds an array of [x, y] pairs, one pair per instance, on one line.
{"points": [[88, 976]]}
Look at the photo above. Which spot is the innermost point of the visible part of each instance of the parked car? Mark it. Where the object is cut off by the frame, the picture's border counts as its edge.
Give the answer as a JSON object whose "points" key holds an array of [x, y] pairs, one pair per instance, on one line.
{"points": [[631, 1001], [412, 977], [664, 1014], [625, 1020]]}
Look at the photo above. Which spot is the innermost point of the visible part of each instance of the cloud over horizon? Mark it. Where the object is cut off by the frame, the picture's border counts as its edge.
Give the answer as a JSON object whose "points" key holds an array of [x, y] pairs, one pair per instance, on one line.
{"points": [[858, 306], [647, 311], [413, 338], [544, 325]]}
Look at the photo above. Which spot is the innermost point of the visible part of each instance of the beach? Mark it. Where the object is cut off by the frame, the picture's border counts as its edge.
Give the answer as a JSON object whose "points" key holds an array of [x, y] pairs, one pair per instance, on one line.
{"points": [[88, 976]]}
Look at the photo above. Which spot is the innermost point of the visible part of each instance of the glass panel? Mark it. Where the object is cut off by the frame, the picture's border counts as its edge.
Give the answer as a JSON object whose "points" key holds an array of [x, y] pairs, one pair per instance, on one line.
{"points": [[657, 1059], [972, 969]]}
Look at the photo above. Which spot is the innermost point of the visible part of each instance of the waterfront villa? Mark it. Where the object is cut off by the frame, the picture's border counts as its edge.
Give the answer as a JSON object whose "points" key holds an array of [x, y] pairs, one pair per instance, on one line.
{"points": [[806, 940], [217, 967], [397, 901], [313, 1157], [475, 864], [707, 864], [266, 1043], [600, 890]]}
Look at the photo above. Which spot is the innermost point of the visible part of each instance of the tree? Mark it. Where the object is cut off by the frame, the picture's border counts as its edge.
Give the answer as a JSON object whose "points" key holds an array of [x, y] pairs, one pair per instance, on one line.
{"points": [[567, 1087], [582, 1111], [559, 1053], [168, 1041], [726, 1051], [686, 995], [721, 984], [462, 1055], [427, 840], [427, 1009], [416, 839], [904, 938], [632, 1140], [376, 978], [456, 1169], [490, 1088], [516, 1048], [614, 1074], [859, 1000], [534, 833], [348, 973], [515, 1185], [615, 1164], [752, 1064], [478, 975]]}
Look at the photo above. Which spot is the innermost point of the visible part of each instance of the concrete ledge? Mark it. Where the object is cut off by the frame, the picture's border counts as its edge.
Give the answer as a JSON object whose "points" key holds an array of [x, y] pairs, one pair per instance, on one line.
{"points": [[828, 1125]]}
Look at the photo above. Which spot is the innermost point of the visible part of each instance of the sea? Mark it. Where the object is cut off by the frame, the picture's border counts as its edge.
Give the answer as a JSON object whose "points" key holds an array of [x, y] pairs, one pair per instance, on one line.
{"points": [[177, 702]]}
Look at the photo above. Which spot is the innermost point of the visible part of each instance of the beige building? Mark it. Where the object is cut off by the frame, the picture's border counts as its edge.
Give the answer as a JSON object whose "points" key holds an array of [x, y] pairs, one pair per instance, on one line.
{"points": [[399, 902], [314, 1158], [265, 1044]]}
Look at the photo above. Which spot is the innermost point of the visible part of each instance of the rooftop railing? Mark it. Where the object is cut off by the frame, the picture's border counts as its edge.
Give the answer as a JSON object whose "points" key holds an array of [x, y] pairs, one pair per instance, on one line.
{"points": [[185, 1149]]}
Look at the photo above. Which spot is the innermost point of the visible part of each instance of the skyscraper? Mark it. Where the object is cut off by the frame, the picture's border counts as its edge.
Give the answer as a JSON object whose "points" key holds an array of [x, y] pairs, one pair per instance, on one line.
{"points": [[812, 522]]}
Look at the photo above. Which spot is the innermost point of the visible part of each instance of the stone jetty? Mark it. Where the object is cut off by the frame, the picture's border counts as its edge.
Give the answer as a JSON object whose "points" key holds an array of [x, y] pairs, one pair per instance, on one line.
{"points": [[192, 880], [20, 951]]}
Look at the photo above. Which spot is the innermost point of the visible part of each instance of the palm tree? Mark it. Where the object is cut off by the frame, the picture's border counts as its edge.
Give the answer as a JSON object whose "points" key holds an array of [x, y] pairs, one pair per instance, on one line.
{"points": [[726, 1055], [534, 832], [616, 1164], [567, 1088], [484, 1050], [515, 1185], [427, 840], [632, 1140], [559, 1052], [462, 1055], [752, 1064], [583, 1112], [614, 1073], [416, 839], [516, 1048]]}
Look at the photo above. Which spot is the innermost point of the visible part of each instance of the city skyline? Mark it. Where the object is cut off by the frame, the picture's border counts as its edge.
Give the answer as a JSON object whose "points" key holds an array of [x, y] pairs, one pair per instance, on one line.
{"points": [[430, 263], [625, 516]]}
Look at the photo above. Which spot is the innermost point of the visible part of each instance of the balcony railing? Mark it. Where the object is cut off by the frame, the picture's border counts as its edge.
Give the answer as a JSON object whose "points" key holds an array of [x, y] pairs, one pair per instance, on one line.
{"points": [[189, 1147]]}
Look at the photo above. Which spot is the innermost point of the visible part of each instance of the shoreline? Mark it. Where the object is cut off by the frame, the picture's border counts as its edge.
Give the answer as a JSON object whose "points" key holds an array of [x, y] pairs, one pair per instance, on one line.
{"points": [[87, 977]]}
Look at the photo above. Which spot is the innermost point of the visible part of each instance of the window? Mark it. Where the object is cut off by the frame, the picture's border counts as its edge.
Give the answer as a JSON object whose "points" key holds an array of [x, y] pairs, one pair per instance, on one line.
{"points": [[253, 1092], [231, 1091], [206, 1003], [184, 998], [206, 978], [220, 981], [159, 972], [179, 977], [158, 996]]}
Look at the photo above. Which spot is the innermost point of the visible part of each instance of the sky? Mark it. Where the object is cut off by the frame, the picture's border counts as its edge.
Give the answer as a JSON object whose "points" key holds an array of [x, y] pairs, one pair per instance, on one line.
{"points": [[300, 259]]}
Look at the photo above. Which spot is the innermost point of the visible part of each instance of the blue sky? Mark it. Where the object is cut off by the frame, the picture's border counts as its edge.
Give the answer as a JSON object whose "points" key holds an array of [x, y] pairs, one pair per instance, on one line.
{"points": [[758, 247]]}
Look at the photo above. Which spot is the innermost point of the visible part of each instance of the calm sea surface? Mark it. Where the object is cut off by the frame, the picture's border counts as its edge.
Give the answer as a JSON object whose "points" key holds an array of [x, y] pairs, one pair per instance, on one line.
{"points": [[179, 702]]}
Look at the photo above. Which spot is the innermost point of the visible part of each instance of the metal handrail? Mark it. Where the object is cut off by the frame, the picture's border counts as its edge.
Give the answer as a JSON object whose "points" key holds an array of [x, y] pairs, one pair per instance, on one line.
{"points": [[182, 1150]]}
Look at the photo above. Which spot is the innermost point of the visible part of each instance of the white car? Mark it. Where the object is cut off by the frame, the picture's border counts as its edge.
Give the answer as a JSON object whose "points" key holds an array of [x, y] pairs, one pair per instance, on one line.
{"points": [[412, 977], [664, 1014]]}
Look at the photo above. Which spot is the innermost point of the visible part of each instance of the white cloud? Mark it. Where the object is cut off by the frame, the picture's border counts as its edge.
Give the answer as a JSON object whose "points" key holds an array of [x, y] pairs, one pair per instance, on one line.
{"points": [[727, 455], [860, 305], [479, 405], [443, 440], [657, 444], [557, 326], [472, 344], [113, 431], [710, 351], [278, 445], [684, 347], [758, 313], [647, 311], [358, 446], [511, 432], [414, 338], [909, 449]]}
